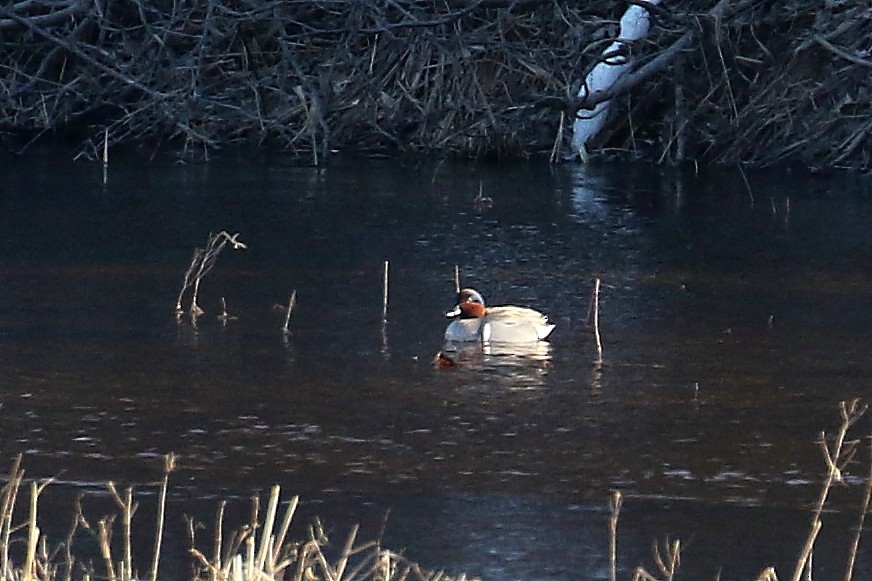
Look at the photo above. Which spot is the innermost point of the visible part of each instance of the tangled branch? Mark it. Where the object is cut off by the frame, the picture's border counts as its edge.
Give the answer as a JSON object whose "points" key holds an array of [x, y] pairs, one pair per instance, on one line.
{"points": [[731, 82]]}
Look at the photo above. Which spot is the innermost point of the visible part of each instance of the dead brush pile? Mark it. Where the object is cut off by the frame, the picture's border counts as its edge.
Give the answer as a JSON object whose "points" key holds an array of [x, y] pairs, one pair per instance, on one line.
{"points": [[760, 83]]}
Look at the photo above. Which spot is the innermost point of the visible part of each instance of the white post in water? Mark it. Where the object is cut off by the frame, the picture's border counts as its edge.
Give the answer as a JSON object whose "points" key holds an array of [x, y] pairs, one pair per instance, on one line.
{"points": [[614, 64]]}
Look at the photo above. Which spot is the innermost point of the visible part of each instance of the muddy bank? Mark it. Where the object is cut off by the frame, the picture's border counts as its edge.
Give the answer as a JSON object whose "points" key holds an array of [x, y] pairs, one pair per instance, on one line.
{"points": [[775, 83]]}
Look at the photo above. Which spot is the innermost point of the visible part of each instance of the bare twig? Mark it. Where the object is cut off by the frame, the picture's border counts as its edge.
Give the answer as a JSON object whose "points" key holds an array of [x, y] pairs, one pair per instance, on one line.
{"points": [[128, 509], [835, 458], [864, 509], [7, 505], [202, 262]]}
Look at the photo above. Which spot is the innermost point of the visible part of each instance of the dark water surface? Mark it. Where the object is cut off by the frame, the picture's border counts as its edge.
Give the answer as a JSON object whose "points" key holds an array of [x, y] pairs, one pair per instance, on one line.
{"points": [[734, 318]]}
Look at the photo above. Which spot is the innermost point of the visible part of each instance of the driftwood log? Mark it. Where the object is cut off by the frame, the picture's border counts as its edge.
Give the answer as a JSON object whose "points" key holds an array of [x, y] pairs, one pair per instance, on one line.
{"points": [[756, 83]]}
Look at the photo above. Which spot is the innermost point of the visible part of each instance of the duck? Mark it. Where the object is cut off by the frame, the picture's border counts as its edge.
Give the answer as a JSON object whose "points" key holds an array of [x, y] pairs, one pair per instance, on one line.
{"points": [[474, 321]]}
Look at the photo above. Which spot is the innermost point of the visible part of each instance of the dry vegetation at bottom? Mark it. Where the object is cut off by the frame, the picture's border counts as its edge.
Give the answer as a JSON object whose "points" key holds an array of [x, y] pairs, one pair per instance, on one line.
{"points": [[759, 83], [259, 551], [262, 551]]}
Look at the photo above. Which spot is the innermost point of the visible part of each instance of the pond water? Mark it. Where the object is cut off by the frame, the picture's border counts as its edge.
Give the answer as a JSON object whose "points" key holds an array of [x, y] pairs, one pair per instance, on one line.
{"points": [[734, 313]]}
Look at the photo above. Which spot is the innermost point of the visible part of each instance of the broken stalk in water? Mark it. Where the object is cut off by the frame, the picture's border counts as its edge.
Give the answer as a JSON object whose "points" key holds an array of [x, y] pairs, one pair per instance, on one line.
{"points": [[201, 263], [292, 302]]}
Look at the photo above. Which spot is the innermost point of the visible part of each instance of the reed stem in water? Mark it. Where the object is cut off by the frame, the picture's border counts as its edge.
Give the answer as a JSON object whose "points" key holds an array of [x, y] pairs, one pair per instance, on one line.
{"points": [[596, 329], [615, 505], [169, 466], [292, 302], [385, 293]]}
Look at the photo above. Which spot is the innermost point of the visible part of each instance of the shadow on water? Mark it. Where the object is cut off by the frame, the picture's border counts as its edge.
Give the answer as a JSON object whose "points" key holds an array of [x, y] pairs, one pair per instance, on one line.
{"points": [[733, 320]]}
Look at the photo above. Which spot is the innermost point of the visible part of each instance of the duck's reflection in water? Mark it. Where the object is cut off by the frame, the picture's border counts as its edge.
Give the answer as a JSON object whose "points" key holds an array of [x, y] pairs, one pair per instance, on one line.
{"points": [[514, 365]]}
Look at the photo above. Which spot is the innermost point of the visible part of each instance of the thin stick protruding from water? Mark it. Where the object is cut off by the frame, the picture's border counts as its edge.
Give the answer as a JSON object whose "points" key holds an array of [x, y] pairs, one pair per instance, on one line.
{"points": [[32, 536], [596, 329], [201, 263], [169, 466], [852, 555], [267, 531], [456, 279], [385, 293], [615, 506], [128, 508], [283, 529], [7, 505], [100, 532], [672, 552], [105, 156], [292, 302], [224, 316], [836, 458]]}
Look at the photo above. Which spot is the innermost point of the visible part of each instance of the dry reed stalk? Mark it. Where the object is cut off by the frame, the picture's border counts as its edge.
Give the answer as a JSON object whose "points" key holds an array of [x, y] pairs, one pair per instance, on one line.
{"points": [[69, 560], [385, 292], [219, 535], [596, 328], [346, 552], [224, 317], [668, 567], [642, 575], [318, 536], [244, 562], [9, 495], [673, 558], [215, 566], [260, 560], [303, 560], [292, 302], [836, 459], [186, 281], [105, 165], [804, 561], [615, 510], [128, 509], [368, 564], [248, 562], [558, 139], [283, 529], [767, 574], [104, 538], [169, 466], [867, 496], [266, 531], [29, 571], [102, 534], [230, 552], [202, 261], [456, 279]]}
